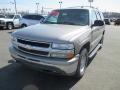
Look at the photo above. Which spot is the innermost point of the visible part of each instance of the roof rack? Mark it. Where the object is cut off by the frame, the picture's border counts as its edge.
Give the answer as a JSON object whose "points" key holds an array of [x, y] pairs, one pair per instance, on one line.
{"points": [[82, 7]]}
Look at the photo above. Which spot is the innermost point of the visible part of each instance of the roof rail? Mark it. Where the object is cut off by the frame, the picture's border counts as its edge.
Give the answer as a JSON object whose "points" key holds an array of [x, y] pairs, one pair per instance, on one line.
{"points": [[82, 7]]}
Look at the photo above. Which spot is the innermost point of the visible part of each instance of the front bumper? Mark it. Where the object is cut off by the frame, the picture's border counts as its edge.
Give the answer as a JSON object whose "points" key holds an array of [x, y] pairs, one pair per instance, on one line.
{"points": [[2, 25], [61, 66]]}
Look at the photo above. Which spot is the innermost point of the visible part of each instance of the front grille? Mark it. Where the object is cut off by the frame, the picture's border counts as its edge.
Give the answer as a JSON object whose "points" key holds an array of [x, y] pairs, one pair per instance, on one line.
{"points": [[32, 43], [35, 48], [2, 23], [42, 53]]}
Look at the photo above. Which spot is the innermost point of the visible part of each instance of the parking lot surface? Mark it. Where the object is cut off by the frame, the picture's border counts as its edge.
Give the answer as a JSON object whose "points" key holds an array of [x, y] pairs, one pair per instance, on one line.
{"points": [[103, 73]]}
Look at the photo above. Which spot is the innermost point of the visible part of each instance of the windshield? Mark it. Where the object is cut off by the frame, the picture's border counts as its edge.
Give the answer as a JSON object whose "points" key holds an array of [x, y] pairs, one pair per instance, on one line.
{"points": [[68, 16], [10, 16]]}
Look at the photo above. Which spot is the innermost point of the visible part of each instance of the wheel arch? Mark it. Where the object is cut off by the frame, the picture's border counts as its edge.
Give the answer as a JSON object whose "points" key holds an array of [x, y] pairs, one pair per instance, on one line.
{"points": [[85, 45], [24, 24], [10, 22]]}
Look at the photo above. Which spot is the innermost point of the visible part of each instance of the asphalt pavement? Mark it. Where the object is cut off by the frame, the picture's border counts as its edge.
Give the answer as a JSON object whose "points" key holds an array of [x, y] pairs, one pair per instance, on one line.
{"points": [[103, 73]]}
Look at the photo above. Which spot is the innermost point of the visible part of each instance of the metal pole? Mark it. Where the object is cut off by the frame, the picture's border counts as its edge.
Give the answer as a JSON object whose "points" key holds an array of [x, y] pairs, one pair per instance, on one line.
{"points": [[90, 4], [60, 4], [90, 1], [37, 4], [15, 7], [42, 10]]}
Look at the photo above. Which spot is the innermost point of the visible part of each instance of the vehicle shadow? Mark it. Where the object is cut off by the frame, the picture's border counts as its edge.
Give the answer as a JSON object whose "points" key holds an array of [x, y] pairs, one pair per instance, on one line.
{"points": [[16, 77], [10, 32]]}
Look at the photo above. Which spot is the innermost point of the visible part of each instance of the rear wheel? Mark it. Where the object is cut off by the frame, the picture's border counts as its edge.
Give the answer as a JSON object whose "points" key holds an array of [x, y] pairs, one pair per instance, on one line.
{"points": [[82, 64]]}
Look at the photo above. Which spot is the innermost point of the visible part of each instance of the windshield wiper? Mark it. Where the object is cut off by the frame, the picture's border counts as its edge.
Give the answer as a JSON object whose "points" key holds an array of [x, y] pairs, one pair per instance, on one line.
{"points": [[69, 23], [48, 22]]}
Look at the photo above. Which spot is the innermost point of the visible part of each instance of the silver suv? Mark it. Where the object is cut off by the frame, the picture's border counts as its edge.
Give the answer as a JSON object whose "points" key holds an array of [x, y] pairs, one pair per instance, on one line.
{"points": [[63, 43], [30, 19]]}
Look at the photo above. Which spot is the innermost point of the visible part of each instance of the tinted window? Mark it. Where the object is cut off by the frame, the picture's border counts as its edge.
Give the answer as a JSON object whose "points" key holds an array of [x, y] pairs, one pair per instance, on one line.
{"points": [[10, 16], [33, 17], [37, 17], [69, 16], [17, 17], [26, 16]]}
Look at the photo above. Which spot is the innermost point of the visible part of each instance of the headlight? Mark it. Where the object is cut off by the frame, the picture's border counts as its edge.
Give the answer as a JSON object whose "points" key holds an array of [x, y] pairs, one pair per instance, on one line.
{"points": [[2, 22], [68, 54], [62, 46], [63, 51], [13, 39]]}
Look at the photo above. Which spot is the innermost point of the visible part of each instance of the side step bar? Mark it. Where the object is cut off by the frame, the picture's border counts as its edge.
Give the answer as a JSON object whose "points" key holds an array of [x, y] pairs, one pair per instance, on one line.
{"points": [[95, 51]]}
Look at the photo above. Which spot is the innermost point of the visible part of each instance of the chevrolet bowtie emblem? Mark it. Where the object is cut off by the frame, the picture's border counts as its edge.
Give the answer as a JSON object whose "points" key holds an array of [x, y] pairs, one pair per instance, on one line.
{"points": [[28, 47]]}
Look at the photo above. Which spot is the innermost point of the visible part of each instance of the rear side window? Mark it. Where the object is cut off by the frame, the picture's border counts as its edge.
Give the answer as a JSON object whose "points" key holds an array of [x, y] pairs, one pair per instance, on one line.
{"points": [[33, 17], [26, 17], [37, 17]]}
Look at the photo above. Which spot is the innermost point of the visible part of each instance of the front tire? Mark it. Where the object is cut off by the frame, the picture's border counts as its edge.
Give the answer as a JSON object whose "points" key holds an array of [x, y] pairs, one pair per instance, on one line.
{"points": [[82, 64], [10, 26]]}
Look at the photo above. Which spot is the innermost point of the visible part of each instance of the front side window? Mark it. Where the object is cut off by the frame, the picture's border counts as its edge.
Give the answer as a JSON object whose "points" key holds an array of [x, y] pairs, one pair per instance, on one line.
{"points": [[68, 16], [38, 17], [17, 17]]}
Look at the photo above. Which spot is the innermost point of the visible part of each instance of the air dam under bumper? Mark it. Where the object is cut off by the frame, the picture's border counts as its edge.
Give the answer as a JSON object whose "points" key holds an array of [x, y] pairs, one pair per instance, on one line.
{"points": [[61, 66]]}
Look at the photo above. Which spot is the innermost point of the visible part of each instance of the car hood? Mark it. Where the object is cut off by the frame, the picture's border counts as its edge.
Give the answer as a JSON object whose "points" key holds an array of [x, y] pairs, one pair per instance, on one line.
{"points": [[5, 19], [2, 18], [50, 32]]}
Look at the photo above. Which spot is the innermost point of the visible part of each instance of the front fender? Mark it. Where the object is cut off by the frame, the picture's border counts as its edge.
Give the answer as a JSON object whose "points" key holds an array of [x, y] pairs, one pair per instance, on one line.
{"points": [[81, 41]]}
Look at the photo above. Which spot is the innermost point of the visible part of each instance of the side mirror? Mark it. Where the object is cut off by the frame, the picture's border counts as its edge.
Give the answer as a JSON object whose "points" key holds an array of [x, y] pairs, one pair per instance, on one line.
{"points": [[98, 23]]}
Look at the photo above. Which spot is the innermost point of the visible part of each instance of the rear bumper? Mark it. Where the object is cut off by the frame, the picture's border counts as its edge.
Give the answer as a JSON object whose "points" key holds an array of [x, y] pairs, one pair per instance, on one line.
{"points": [[60, 66]]}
